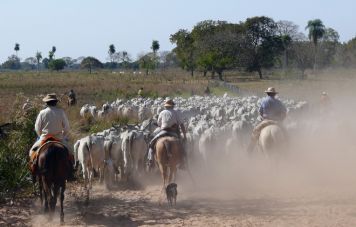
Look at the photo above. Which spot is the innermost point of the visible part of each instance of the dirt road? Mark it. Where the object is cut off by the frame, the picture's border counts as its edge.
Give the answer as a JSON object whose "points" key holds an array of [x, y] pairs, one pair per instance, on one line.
{"points": [[195, 208]]}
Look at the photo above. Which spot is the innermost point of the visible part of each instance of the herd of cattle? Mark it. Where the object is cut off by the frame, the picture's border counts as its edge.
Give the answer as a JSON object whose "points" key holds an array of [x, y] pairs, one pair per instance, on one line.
{"points": [[215, 126]]}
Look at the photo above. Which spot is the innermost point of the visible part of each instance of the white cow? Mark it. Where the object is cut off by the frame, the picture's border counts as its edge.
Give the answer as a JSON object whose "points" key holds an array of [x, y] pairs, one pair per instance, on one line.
{"points": [[89, 151], [134, 149]]}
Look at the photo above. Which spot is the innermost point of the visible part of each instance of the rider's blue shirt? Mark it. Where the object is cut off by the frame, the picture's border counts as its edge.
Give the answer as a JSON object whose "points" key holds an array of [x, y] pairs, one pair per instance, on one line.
{"points": [[272, 109]]}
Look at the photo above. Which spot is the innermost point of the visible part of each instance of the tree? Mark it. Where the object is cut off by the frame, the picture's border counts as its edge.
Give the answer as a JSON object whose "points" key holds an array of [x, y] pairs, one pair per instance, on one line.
{"points": [[17, 48], [124, 59], [217, 45], [262, 45], [288, 31], [147, 62], [185, 50], [12, 62], [302, 56], [168, 59], [38, 58], [348, 53], [316, 31], [69, 61], [90, 63], [45, 63], [29, 63], [56, 64], [155, 48], [328, 47], [51, 53], [111, 53]]}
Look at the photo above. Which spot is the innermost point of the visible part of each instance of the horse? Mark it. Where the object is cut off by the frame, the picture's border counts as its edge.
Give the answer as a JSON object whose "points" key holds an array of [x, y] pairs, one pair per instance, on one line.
{"points": [[52, 174], [169, 154], [272, 140]]}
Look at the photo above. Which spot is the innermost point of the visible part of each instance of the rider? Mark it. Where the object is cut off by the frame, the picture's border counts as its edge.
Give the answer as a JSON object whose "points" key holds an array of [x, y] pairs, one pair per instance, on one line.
{"points": [[325, 102], [139, 92], [169, 121], [52, 122], [71, 96], [272, 111]]}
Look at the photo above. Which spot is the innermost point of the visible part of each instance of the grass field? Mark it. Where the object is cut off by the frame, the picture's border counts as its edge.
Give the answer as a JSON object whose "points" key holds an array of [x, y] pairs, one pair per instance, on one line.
{"points": [[100, 87]]}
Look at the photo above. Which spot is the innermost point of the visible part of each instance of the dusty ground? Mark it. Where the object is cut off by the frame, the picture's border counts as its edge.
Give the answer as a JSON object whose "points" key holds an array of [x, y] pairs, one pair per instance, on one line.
{"points": [[197, 206]]}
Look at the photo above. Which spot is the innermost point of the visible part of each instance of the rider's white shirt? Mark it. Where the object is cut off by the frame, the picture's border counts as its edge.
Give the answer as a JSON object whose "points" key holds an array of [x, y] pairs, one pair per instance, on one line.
{"points": [[169, 117], [52, 121]]}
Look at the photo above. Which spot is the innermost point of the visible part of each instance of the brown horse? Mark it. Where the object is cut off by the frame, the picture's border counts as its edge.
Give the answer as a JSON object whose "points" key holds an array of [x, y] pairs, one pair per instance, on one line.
{"points": [[168, 156], [52, 174]]}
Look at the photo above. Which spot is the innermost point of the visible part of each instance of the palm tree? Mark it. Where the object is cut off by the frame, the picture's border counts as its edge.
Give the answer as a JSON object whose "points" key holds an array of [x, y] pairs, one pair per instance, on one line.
{"points": [[316, 31], [112, 52], [17, 48], [51, 53], [155, 48], [38, 57]]}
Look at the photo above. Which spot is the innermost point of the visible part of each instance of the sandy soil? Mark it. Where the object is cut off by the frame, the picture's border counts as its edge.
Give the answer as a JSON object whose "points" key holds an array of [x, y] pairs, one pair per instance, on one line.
{"points": [[132, 207]]}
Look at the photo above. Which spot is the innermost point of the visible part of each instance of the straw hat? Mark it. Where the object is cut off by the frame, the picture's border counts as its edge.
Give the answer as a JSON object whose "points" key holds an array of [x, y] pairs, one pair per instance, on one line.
{"points": [[50, 97], [169, 103], [271, 90]]}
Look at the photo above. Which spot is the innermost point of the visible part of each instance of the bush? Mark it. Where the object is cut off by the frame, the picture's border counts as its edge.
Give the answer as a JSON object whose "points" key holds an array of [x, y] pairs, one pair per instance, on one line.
{"points": [[14, 147], [57, 64]]}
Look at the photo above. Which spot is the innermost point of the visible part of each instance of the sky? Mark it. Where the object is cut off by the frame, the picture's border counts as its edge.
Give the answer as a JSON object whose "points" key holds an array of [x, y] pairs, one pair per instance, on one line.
{"points": [[87, 27]]}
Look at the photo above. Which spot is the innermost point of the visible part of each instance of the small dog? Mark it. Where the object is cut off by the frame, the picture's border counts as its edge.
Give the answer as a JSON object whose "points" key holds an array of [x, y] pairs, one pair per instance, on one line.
{"points": [[171, 192]]}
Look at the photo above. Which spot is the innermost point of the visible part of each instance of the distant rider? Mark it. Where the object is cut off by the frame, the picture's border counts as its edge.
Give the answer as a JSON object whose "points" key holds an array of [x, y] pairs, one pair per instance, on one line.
{"points": [[170, 124], [72, 97], [325, 103], [139, 92], [52, 122], [272, 111]]}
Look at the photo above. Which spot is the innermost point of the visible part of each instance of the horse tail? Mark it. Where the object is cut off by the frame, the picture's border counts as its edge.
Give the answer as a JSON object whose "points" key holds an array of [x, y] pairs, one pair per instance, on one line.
{"points": [[167, 146], [55, 161]]}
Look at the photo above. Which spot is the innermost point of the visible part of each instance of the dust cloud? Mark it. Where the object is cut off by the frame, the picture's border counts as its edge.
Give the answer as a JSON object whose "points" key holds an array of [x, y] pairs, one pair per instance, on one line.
{"points": [[319, 162]]}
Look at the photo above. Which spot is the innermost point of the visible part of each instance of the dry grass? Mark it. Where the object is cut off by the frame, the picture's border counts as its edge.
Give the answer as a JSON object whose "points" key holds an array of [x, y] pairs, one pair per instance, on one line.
{"points": [[93, 88]]}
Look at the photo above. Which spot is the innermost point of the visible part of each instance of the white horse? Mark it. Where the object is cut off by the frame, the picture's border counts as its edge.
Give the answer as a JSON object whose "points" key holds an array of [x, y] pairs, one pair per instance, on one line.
{"points": [[272, 141]]}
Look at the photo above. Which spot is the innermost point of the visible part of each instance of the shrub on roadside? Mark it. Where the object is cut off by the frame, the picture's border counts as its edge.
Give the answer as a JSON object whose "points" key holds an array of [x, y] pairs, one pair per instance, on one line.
{"points": [[14, 147]]}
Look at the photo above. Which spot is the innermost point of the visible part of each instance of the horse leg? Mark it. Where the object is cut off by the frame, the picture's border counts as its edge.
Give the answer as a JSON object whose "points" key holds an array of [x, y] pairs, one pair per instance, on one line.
{"points": [[172, 174], [47, 195], [54, 200], [164, 174], [63, 188], [40, 186]]}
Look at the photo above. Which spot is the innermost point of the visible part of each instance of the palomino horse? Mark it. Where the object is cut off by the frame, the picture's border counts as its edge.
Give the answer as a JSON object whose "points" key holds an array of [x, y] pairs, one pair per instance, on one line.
{"points": [[52, 173], [168, 155], [272, 140]]}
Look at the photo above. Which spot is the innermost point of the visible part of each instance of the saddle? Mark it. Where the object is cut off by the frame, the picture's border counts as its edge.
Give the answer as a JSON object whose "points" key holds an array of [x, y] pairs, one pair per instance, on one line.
{"points": [[257, 131], [37, 150]]}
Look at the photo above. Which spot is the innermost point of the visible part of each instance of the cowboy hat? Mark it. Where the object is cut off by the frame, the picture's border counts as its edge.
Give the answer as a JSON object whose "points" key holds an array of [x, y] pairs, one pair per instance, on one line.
{"points": [[271, 90], [169, 103], [50, 97]]}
